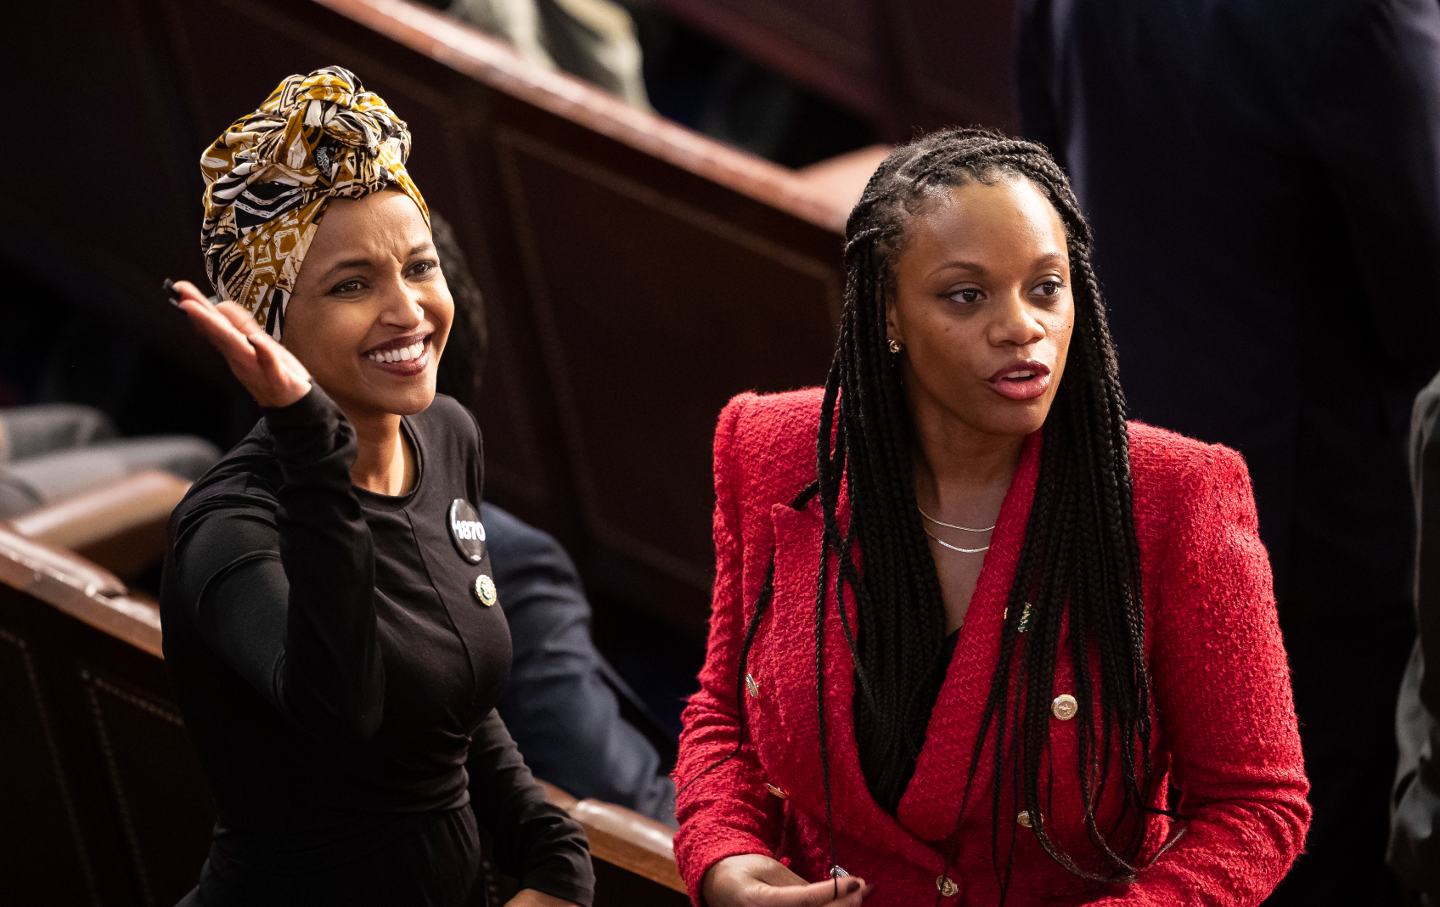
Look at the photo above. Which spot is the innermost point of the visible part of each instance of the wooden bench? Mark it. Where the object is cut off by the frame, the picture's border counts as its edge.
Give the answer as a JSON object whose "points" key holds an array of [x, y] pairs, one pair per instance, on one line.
{"points": [[119, 526], [104, 798]]}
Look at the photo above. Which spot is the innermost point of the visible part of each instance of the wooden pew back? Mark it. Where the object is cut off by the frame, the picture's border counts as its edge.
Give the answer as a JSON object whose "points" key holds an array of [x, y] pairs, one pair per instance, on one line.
{"points": [[105, 802], [119, 525], [902, 65]]}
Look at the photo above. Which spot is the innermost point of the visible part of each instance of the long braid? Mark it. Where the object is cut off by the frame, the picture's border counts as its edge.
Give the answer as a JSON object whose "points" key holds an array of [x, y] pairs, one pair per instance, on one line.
{"points": [[1078, 570]]}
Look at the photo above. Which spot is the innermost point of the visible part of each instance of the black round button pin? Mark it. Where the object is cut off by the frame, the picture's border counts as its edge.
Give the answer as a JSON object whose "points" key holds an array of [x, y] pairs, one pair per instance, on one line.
{"points": [[466, 531]]}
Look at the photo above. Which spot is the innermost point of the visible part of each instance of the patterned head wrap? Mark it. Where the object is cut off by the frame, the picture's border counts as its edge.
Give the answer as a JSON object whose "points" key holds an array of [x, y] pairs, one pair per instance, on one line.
{"points": [[271, 175]]}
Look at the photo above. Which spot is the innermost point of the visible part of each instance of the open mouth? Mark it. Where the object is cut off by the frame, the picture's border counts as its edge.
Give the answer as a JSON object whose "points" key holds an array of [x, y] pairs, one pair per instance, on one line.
{"points": [[1021, 381], [402, 356]]}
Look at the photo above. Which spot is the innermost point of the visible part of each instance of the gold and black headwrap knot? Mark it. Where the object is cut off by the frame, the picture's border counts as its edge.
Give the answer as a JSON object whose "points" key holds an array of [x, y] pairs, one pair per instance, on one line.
{"points": [[270, 176]]}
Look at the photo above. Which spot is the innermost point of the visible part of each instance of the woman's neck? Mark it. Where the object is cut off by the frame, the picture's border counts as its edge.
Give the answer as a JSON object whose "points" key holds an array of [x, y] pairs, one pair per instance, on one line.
{"points": [[384, 463], [962, 475]]}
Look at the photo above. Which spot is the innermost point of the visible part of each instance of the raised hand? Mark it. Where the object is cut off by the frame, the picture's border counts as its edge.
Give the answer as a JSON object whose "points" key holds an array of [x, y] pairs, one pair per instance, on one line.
{"points": [[755, 880], [271, 373]]}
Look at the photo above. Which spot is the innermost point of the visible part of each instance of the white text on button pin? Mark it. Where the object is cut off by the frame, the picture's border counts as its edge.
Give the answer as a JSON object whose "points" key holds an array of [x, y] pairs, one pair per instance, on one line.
{"points": [[468, 529]]}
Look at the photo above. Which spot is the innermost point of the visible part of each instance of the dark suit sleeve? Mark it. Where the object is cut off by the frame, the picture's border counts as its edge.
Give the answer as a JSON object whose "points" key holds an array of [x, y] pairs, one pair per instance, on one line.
{"points": [[1370, 109], [535, 842], [1414, 851], [286, 597], [1034, 73], [560, 708]]}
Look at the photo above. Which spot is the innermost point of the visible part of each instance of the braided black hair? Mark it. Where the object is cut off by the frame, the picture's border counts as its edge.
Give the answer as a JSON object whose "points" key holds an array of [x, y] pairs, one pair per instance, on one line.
{"points": [[1079, 563]]}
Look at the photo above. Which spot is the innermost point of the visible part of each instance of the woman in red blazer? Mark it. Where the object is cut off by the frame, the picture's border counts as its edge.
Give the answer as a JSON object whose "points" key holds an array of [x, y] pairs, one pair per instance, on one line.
{"points": [[975, 637]]}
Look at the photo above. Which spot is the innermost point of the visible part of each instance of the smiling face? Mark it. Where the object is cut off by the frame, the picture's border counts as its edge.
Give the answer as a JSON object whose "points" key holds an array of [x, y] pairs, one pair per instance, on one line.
{"points": [[371, 311], [982, 305]]}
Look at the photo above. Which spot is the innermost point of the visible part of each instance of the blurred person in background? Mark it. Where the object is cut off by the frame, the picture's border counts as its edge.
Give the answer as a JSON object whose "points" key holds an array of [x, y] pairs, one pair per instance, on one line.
{"points": [[50, 451], [1415, 817], [591, 39], [1264, 183]]}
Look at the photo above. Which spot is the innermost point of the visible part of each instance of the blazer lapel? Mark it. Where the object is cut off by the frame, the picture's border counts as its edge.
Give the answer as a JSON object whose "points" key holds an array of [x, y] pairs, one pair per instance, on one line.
{"points": [[789, 655], [930, 808], [785, 651]]}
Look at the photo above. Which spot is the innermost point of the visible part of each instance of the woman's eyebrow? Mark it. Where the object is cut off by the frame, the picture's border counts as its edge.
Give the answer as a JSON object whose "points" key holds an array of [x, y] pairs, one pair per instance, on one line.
{"points": [[425, 246], [957, 263], [1047, 258], [343, 265]]}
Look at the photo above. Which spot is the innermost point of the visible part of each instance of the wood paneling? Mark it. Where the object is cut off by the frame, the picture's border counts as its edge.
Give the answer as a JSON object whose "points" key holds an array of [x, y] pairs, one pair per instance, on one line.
{"points": [[48, 855], [148, 760], [642, 358], [903, 65]]}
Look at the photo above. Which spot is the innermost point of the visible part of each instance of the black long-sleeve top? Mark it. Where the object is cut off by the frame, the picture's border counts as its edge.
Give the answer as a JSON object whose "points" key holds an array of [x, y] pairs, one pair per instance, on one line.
{"points": [[338, 671]]}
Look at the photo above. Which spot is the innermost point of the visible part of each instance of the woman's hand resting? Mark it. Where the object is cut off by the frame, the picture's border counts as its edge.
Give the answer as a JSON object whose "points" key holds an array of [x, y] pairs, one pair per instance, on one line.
{"points": [[755, 880], [271, 373]]}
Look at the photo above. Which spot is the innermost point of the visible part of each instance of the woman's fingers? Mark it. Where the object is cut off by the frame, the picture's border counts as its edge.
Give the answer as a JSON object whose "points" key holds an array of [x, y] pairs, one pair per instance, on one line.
{"points": [[187, 290], [202, 313], [272, 375], [239, 318], [287, 378], [273, 351], [218, 330], [819, 894], [759, 880]]}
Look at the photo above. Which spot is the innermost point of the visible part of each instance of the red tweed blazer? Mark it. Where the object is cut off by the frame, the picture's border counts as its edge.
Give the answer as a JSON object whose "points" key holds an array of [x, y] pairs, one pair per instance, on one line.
{"points": [[1225, 730]]}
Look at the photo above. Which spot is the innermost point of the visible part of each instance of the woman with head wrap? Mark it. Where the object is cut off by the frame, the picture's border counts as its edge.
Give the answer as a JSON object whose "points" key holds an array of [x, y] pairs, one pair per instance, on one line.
{"points": [[328, 600]]}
